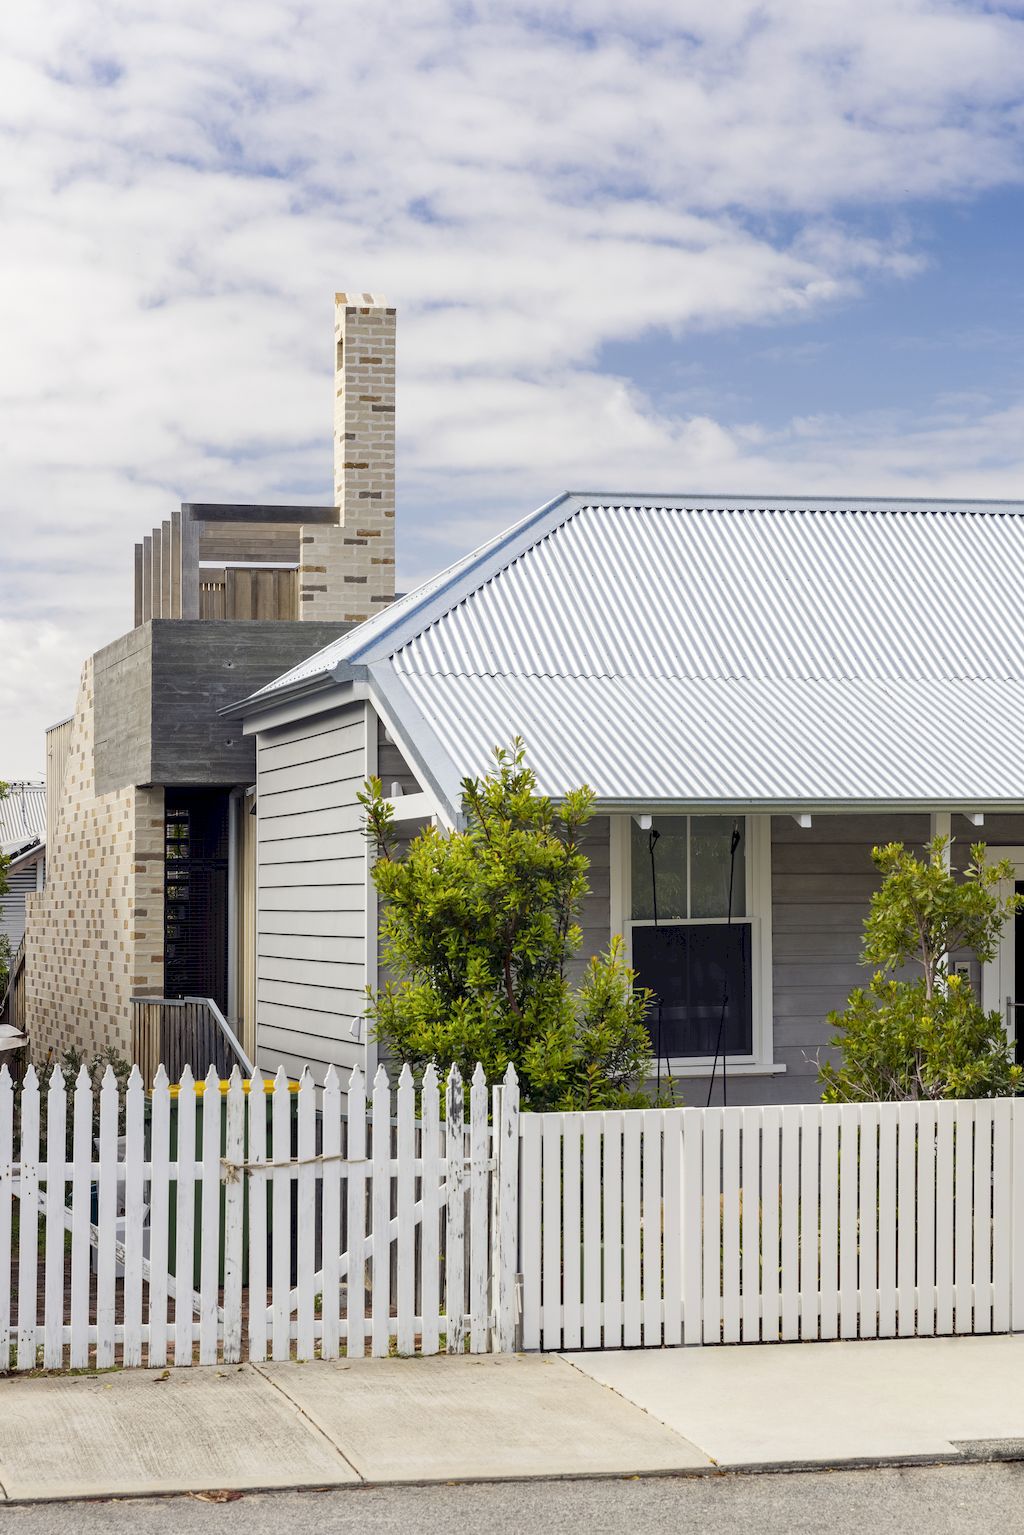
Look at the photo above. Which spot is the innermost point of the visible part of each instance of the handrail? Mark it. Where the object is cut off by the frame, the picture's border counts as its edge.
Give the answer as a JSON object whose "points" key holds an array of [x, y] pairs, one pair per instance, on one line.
{"points": [[224, 1028], [228, 1032]]}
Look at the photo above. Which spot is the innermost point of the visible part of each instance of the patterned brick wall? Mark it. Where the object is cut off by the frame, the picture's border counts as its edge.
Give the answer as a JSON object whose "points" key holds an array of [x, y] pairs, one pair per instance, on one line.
{"points": [[95, 934], [348, 572]]}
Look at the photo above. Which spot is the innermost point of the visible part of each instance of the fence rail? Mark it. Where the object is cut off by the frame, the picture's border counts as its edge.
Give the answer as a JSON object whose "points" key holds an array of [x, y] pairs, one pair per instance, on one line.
{"points": [[214, 1221]]}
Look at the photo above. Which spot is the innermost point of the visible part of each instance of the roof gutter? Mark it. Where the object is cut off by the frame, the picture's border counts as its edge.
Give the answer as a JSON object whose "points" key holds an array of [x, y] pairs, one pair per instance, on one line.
{"points": [[303, 687]]}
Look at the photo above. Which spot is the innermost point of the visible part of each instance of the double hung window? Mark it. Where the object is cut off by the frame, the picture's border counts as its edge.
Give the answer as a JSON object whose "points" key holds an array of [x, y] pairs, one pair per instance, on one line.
{"points": [[694, 933]]}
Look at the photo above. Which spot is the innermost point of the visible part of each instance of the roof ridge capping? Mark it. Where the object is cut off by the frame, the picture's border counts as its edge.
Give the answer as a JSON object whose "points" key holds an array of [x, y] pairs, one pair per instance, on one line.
{"points": [[591, 500]]}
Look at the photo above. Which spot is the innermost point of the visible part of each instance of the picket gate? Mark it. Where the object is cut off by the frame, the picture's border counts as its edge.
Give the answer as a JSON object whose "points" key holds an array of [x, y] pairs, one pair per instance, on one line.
{"points": [[654, 1227], [253, 1219]]}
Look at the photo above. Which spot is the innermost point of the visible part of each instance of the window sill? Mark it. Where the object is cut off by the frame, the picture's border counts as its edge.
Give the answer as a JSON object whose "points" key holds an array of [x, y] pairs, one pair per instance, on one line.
{"points": [[739, 1069]]}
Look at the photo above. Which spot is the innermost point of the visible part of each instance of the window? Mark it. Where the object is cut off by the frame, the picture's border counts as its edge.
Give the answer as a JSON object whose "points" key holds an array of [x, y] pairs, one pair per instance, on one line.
{"points": [[697, 920]]}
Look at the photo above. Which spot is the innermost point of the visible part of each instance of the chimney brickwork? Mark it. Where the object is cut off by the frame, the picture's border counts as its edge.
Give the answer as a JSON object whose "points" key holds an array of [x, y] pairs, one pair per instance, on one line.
{"points": [[347, 572]]}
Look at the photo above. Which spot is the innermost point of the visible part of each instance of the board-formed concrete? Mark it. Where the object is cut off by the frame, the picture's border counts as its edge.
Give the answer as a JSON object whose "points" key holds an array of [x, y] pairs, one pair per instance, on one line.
{"points": [[136, 1432], [435, 1419], [827, 1403]]}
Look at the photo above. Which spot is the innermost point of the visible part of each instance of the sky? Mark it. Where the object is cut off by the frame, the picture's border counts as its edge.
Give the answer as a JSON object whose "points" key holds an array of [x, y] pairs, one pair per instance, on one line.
{"points": [[662, 245]]}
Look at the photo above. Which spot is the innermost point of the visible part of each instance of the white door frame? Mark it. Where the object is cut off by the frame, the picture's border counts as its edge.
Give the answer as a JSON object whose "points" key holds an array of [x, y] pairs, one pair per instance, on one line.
{"points": [[998, 979]]}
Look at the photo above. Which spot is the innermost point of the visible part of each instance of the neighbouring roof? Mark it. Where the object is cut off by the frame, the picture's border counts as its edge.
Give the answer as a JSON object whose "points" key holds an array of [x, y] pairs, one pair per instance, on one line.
{"points": [[22, 816], [717, 651]]}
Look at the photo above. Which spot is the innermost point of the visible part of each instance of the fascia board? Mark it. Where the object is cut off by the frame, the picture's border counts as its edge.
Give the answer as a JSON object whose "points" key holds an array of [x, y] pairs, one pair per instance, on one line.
{"points": [[286, 711], [733, 806], [417, 740]]}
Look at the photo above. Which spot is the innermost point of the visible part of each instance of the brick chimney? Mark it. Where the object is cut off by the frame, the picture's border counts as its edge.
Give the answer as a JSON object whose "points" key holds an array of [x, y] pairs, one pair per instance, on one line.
{"points": [[348, 572]]}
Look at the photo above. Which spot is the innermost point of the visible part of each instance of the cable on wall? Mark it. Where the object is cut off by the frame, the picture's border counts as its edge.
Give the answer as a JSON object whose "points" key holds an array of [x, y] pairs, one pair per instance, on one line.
{"points": [[733, 845]]}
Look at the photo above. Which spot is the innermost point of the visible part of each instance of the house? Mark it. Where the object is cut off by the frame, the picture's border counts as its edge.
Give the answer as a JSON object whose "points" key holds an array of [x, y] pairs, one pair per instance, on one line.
{"points": [[150, 838], [757, 690], [23, 844]]}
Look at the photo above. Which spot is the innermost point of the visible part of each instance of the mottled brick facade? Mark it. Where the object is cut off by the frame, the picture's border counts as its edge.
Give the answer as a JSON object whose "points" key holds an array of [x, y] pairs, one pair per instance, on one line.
{"points": [[348, 572], [95, 934]]}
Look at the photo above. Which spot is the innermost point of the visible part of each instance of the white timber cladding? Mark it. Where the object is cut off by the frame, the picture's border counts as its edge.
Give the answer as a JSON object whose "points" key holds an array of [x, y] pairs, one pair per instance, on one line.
{"points": [[311, 938]]}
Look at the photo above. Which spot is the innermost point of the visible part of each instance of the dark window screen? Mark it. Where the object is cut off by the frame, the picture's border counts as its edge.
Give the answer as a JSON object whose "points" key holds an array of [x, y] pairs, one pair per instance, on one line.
{"points": [[691, 970], [195, 894]]}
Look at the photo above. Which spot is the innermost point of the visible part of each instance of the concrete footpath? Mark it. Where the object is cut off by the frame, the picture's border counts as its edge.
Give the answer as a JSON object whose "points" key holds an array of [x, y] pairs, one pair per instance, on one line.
{"points": [[683, 1411]]}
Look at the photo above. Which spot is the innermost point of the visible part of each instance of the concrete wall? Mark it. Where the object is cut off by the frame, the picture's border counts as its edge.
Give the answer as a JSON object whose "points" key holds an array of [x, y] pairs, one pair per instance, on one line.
{"points": [[311, 892], [95, 934], [160, 687]]}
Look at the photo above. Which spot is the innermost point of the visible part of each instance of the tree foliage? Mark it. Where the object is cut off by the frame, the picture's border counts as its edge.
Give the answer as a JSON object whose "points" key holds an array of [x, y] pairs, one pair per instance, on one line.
{"points": [[929, 1036], [479, 926]]}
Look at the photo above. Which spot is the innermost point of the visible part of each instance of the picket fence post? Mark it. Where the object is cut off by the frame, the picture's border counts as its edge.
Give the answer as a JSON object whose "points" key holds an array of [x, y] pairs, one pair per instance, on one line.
{"points": [[455, 1257], [506, 1234], [1016, 1219], [6, 1195]]}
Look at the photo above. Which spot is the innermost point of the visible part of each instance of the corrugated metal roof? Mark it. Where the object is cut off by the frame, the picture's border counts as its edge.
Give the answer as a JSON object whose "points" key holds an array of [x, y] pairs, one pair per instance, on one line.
{"points": [[624, 591], [22, 814], [707, 650], [707, 740]]}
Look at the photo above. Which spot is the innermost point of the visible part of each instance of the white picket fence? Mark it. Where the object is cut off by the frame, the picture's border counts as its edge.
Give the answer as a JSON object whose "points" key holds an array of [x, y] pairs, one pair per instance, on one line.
{"points": [[269, 1220], [221, 1225], [654, 1227]]}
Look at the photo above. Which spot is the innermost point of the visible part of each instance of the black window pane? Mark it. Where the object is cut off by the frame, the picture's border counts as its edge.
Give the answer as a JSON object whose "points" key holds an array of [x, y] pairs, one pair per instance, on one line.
{"points": [[195, 893], [692, 972]]}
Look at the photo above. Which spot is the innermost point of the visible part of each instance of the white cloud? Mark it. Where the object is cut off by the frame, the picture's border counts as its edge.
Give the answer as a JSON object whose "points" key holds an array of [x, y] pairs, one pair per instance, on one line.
{"points": [[182, 187]]}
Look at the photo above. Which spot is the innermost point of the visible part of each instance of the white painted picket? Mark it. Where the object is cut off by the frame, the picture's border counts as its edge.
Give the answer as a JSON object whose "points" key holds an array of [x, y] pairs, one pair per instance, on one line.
{"points": [[213, 1221], [210, 1222], [761, 1224]]}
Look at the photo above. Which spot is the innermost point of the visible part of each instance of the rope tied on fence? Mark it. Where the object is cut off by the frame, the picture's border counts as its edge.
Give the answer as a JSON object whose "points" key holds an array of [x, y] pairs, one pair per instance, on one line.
{"points": [[231, 1172]]}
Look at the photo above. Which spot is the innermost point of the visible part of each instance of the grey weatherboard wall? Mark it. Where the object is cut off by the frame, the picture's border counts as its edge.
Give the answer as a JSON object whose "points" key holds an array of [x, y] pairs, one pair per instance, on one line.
{"points": [[311, 893], [822, 881]]}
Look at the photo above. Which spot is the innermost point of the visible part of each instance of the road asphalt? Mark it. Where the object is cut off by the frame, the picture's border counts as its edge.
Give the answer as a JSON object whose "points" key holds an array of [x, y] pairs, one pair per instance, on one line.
{"points": [[937, 1500]]}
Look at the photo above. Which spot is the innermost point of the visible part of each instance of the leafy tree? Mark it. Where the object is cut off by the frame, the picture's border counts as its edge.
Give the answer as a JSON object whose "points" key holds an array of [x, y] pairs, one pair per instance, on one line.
{"points": [[5, 963], [925, 1037], [478, 927]]}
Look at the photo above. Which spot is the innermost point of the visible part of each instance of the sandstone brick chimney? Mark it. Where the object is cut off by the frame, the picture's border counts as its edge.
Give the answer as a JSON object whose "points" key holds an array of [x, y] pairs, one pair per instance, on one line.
{"points": [[347, 572]]}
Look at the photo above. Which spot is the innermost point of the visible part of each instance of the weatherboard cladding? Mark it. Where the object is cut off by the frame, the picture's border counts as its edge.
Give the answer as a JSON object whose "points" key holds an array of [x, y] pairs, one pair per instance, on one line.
{"points": [[311, 923], [704, 651]]}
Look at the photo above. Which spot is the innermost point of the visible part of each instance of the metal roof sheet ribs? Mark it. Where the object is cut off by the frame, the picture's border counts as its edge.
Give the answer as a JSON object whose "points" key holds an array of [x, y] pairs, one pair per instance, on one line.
{"points": [[691, 739], [715, 650], [736, 594]]}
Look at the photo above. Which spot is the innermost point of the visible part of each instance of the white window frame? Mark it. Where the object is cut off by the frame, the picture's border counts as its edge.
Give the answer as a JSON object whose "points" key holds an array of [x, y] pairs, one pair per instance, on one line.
{"points": [[758, 917]]}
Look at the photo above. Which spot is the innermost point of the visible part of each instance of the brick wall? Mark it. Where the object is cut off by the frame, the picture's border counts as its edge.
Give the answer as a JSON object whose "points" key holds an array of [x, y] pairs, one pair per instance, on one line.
{"points": [[348, 572], [95, 934]]}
